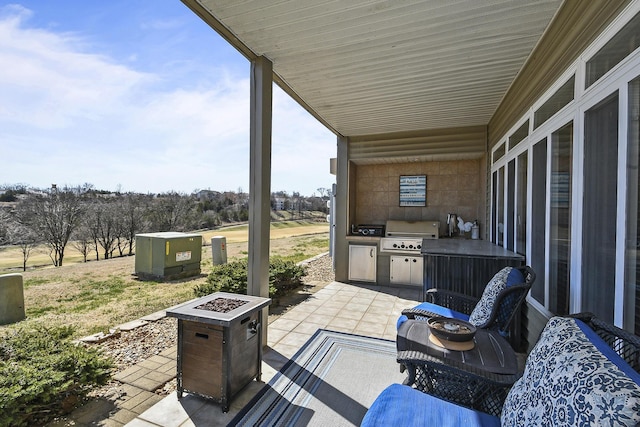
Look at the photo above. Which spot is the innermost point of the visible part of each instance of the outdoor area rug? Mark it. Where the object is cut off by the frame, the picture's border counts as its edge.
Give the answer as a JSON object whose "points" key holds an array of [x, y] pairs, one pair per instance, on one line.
{"points": [[331, 381]]}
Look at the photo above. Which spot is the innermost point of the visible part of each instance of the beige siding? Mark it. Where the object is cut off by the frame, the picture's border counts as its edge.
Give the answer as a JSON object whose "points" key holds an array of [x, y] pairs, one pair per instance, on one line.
{"points": [[435, 144]]}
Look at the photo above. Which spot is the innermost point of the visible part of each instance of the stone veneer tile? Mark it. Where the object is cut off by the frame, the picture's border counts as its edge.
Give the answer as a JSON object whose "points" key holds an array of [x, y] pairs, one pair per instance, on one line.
{"points": [[413, 214], [431, 168], [379, 198], [366, 170], [429, 213], [449, 168], [396, 212], [372, 206]]}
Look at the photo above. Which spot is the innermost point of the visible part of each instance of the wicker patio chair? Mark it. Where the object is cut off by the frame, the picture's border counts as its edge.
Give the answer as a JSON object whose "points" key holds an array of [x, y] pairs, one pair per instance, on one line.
{"points": [[453, 304], [487, 391]]}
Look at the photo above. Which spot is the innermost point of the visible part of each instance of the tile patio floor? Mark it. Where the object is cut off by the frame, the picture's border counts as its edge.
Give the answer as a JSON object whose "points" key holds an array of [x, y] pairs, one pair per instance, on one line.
{"points": [[369, 310]]}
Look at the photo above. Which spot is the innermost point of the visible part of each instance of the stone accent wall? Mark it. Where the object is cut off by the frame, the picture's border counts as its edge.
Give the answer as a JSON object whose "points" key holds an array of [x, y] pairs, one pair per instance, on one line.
{"points": [[452, 186]]}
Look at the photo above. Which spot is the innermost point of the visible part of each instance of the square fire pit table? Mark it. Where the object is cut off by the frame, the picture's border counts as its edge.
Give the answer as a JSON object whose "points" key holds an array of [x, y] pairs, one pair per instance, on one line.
{"points": [[219, 345]]}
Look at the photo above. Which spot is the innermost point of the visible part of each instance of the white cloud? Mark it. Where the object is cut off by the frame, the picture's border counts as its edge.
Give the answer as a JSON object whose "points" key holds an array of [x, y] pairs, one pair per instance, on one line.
{"points": [[70, 116], [50, 84]]}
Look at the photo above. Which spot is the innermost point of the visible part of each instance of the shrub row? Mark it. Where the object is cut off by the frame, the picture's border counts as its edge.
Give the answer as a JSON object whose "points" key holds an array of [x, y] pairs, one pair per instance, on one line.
{"points": [[44, 374], [284, 275]]}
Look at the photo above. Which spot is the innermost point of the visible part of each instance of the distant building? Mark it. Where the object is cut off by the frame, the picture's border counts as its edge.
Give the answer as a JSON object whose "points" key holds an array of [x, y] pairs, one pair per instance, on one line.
{"points": [[203, 195], [279, 203]]}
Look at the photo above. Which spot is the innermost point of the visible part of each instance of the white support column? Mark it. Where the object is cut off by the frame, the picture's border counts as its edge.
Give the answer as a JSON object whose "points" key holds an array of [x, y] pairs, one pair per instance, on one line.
{"points": [[260, 182]]}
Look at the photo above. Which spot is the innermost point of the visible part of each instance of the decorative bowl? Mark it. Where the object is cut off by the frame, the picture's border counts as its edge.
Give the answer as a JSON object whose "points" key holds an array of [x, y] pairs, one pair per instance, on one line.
{"points": [[451, 329]]}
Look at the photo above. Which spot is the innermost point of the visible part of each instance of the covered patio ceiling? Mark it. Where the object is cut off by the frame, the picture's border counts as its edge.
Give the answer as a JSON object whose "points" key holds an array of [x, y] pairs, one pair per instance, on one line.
{"points": [[366, 67]]}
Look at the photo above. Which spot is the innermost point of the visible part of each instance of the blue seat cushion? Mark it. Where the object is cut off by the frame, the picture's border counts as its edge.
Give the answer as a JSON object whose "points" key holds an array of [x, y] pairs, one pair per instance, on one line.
{"points": [[515, 277], [437, 309], [401, 405]]}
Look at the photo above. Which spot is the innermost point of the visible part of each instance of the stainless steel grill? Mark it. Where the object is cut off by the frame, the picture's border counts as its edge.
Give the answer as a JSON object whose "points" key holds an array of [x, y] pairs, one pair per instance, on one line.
{"points": [[406, 236]]}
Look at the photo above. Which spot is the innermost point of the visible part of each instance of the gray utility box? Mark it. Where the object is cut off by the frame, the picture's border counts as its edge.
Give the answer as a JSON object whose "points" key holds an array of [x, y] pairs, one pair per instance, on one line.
{"points": [[168, 255], [11, 298], [219, 250]]}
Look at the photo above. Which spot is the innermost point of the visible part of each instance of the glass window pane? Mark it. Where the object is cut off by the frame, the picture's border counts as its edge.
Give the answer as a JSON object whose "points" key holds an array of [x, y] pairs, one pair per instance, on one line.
{"points": [[511, 192], [519, 135], [619, 47], [632, 246], [562, 97], [538, 218], [560, 209], [599, 209], [521, 205], [494, 205], [497, 155], [500, 208]]}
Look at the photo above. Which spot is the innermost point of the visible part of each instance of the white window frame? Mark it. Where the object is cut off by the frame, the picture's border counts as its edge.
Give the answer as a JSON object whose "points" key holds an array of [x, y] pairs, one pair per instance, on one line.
{"points": [[616, 79]]}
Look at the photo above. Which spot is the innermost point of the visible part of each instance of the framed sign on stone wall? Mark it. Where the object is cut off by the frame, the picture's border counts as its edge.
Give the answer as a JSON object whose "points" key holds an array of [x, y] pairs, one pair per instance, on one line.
{"points": [[413, 190]]}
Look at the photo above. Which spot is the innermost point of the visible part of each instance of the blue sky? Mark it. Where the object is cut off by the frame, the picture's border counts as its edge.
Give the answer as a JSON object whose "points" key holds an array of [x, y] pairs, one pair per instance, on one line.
{"points": [[138, 95]]}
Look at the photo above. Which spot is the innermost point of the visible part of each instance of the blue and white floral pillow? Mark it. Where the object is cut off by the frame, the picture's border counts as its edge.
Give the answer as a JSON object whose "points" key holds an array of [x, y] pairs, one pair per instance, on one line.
{"points": [[568, 381], [482, 311]]}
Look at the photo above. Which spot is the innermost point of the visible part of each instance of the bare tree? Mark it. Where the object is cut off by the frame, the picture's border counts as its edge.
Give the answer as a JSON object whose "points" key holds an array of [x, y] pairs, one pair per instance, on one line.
{"points": [[23, 238], [53, 217], [5, 220], [82, 241], [324, 192], [101, 221], [173, 212], [132, 210]]}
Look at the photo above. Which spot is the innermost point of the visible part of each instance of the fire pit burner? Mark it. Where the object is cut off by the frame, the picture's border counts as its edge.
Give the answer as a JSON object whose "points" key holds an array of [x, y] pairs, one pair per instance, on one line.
{"points": [[221, 305]]}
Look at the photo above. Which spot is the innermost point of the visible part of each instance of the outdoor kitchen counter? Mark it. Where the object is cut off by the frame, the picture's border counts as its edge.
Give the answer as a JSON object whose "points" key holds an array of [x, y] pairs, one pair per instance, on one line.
{"points": [[467, 248], [362, 239], [466, 266]]}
